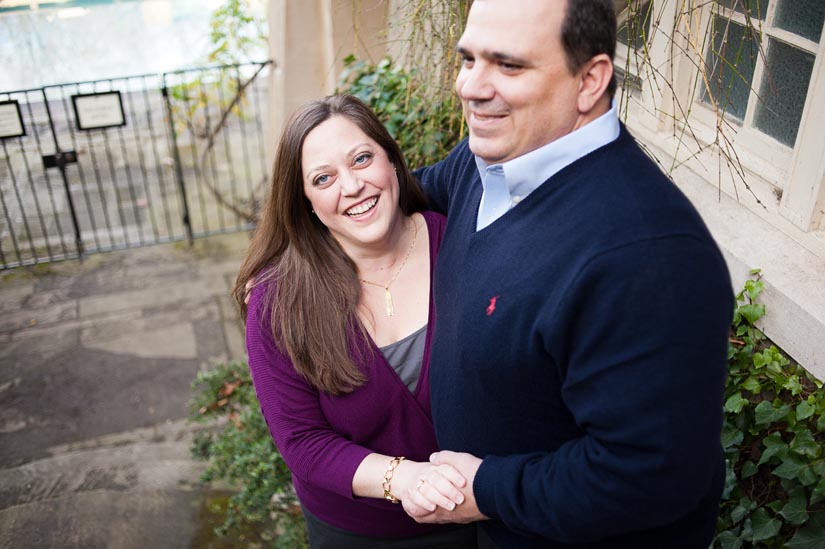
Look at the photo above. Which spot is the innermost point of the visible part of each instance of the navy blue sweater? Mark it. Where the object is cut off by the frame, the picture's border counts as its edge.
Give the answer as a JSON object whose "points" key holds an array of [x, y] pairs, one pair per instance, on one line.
{"points": [[581, 350]]}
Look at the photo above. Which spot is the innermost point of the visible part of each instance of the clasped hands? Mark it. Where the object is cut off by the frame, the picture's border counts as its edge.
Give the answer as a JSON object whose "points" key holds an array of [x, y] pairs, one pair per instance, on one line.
{"points": [[443, 490]]}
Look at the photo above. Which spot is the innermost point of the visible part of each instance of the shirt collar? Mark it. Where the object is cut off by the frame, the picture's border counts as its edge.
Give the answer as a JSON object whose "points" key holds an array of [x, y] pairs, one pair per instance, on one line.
{"points": [[526, 173]]}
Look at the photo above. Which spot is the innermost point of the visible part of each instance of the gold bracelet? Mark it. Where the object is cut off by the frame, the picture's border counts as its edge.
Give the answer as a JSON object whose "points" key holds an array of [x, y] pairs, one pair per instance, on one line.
{"points": [[387, 484]]}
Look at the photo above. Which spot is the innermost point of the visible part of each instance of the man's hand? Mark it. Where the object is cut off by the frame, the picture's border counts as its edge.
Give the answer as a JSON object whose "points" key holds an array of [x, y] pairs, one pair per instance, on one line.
{"points": [[417, 505]]}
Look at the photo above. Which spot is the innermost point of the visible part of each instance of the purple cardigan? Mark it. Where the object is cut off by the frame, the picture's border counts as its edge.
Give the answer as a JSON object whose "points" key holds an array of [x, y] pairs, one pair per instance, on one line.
{"points": [[324, 438]]}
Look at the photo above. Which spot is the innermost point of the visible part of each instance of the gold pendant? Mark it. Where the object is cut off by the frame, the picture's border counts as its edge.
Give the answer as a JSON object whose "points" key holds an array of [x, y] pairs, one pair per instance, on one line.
{"points": [[388, 301]]}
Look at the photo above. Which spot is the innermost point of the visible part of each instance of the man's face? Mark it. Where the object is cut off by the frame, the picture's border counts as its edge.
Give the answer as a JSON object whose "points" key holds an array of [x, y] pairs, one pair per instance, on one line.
{"points": [[516, 89]]}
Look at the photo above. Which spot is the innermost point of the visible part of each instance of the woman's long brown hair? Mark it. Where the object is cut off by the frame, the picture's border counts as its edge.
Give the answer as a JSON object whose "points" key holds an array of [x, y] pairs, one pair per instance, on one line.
{"points": [[313, 298]]}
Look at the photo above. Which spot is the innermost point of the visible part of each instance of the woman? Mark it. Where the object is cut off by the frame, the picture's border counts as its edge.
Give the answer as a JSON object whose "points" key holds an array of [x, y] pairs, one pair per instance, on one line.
{"points": [[338, 330]]}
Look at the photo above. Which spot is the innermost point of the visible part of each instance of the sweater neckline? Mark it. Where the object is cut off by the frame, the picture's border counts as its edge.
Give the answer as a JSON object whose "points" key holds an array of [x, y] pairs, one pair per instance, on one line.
{"points": [[547, 186]]}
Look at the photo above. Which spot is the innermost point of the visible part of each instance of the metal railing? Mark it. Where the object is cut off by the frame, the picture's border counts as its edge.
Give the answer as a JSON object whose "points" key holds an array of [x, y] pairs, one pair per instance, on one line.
{"points": [[101, 165]]}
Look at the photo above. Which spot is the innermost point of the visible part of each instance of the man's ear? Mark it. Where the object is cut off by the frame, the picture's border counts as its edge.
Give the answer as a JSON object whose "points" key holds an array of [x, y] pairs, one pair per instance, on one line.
{"points": [[595, 78]]}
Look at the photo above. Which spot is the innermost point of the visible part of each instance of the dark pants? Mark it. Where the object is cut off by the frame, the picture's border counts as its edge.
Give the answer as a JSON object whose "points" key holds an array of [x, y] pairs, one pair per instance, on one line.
{"points": [[325, 536], [484, 540]]}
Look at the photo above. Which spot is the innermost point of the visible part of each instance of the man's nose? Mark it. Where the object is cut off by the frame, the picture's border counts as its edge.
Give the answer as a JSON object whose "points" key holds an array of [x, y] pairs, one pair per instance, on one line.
{"points": [[473, 83]]}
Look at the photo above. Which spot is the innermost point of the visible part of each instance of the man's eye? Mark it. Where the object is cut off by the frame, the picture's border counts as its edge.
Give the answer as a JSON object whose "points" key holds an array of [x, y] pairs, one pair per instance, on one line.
{"points": [[510, 67]]}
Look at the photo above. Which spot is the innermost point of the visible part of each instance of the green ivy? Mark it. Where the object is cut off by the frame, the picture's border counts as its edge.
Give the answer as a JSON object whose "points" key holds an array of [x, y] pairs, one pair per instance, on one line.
{"points": [[426, 130], [773, 439], [240, 450]]}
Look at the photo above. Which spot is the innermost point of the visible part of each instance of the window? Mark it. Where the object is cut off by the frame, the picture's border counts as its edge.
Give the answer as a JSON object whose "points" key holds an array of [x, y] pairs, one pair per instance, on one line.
{"points": [[634, 24], [634, 36], [759, 60], [721, 86]]}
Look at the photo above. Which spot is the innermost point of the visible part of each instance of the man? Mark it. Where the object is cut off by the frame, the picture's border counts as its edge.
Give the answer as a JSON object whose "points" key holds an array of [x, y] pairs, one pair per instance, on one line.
{"points": [[578, 366]]}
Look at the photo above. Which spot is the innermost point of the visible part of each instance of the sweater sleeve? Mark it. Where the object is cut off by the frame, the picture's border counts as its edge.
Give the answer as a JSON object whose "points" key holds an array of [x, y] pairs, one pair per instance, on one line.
{"points": [[435, 179], [644, 366], [312, 450]]}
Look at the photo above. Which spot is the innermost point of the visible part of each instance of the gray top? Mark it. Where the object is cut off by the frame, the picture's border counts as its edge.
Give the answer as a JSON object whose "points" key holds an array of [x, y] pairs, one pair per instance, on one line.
{"points": [[406, 355]]}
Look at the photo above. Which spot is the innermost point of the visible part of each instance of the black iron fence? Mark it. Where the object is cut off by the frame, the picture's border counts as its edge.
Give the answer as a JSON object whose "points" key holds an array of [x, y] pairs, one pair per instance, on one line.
{"points": [[108, 164]]}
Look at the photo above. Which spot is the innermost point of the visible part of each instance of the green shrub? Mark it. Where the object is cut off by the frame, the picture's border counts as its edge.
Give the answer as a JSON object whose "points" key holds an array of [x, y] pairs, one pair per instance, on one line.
{"points": [[240, 450], [426, 128], [773, 440]]}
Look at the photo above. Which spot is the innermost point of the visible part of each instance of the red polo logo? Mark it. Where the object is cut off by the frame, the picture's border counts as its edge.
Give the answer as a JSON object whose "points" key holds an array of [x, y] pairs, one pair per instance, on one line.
{"points": [[491, 308]]}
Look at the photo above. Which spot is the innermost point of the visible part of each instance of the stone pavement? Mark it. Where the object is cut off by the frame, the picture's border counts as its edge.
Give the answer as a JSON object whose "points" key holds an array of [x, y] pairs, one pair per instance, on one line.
{"points": [[96, 362]]}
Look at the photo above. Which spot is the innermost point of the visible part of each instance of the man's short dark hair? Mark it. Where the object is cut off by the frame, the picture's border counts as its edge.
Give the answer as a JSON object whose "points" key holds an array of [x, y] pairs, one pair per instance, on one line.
{"points": [[588, 29]]}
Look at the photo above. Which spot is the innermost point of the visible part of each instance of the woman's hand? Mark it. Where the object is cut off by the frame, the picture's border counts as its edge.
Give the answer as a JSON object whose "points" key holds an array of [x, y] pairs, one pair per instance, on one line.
{"points": [[422, 487], [467, 466]]}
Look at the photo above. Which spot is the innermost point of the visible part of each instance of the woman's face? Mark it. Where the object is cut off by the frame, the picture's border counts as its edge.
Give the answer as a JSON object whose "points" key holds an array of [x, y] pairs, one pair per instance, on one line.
{"points": [[350, 183]]}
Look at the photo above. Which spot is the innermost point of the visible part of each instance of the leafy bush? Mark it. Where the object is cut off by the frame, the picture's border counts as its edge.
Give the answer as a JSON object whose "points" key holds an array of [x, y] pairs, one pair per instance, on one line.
{"points": [[426, 128], [773, 439], [240, 450]]}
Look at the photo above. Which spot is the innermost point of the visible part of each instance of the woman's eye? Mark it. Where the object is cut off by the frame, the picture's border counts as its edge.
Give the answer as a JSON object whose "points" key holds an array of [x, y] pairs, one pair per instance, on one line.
{"points": [[362, 158], [321, 179]]}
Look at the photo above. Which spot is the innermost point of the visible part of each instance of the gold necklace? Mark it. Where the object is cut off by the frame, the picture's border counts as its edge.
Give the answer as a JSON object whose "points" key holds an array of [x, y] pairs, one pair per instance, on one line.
{"points": [[387, 294]]}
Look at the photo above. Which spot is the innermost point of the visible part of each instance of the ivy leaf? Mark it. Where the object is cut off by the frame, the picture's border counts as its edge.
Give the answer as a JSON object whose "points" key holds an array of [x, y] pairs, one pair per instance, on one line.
{"points": [[775, 371], [818, 492], [764, 526], [749, 469], [752, 384], [805, 445], [735, 403], [747, 530], [766, 412], [728, 540], [774, 446], [754, 287], [752, 312], [790, 468], [731, 436], [812, 536], [739, 512], [796, 510], [774, 440], [792, 384], [730, 479], [807, 476], [820, 423], [804, 410], [759, 360]]}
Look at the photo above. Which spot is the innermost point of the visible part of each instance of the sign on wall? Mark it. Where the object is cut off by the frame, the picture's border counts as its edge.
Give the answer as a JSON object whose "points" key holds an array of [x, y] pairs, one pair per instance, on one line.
{"points": [[11, 122], [98, 110]]}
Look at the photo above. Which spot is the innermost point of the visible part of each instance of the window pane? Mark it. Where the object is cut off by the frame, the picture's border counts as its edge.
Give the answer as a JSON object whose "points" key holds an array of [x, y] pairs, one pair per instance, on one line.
{"points": [[730, 62], [802, 17], [756, 8], [637, 24], [783, 91]]}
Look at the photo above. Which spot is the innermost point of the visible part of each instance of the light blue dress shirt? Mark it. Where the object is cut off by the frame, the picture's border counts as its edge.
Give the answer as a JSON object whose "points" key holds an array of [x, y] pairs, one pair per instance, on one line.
{"points": [[524, 174]]}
